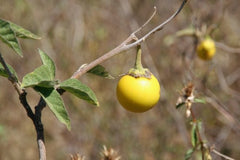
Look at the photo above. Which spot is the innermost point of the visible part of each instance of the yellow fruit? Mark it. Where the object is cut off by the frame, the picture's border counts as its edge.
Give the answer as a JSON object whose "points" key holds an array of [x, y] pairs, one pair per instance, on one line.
{"points": [[138, 94], [206, 49]]}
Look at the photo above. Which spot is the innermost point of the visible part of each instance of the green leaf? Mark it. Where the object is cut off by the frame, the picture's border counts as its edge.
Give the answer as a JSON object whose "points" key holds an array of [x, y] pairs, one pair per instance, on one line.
{"points": [[55, 103], [199, 125], [179, 105], [190, 31], [100, 71], [80, 90], [8, 36], [23, 33], [200, 100], [46, 60], [47, 84], [194, 138], [188, 154], [39, 77], [5, 74]]}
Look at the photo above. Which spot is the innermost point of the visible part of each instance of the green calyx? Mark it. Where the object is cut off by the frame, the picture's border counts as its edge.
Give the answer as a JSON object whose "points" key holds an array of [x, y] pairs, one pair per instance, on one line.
{"points": [[138, 70]]}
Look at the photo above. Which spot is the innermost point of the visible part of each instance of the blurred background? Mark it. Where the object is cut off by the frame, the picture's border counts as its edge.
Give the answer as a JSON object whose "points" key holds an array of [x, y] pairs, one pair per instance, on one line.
{"points": [[75, 32]]}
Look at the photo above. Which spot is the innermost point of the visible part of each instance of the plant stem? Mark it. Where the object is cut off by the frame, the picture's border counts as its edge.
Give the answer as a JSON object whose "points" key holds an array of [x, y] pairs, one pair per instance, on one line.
{"points": [[36, 118], [222, 155], [198, 134], [39, 128], [138, 62], [11, 77]]}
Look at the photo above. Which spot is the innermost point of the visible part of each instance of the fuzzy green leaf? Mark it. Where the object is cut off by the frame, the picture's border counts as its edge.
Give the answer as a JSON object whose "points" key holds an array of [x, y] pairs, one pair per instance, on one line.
{"points": [[5, 74], [23, 33], [80, 90], [179, 105], [8, 36], [39, 77], [46, 60], [199, 100], [55, 103], [188, 154], [194, 138], [190, 31], [100, 71], [199, 125]]}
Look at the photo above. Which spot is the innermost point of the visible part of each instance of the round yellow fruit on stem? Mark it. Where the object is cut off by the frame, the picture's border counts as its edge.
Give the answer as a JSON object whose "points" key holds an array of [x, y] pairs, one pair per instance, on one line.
{"points": [[206, 49], [138, 94]]}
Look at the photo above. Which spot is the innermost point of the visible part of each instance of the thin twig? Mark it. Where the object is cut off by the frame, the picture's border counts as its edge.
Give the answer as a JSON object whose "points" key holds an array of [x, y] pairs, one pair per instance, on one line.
{"points": [[221, 108], [11, 76], [232, 77], [140, 28], [227, 48], [222, 155], [159, 27], [222, 12], [126, 45], [224, 85], [42, 149]]}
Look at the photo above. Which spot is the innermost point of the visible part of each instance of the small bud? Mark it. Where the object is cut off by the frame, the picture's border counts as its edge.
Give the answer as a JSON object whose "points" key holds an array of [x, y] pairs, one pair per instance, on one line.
{"points": [[188, 113], [208, 156]]}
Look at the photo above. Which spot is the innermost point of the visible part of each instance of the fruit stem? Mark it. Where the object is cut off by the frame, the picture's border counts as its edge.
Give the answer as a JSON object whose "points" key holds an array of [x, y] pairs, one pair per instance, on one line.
{"points": [[138, 62], [138, 70]]}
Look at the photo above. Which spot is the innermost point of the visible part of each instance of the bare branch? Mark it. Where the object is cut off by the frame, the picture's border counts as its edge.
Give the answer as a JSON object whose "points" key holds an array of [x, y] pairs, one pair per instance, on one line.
{"points": [[125, 45], [42, 149], [227, 48], [224, 85], [222, 155], [220, 108], [140, 28], [232, 77], [159, 27]]}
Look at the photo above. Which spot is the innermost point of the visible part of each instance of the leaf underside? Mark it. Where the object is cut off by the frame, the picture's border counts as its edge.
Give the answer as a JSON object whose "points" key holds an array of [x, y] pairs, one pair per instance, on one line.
{"points": [[80, 90], [8, 36], [22, 32], [9, 33], [100, 71], [55, 103], [188, 154]]}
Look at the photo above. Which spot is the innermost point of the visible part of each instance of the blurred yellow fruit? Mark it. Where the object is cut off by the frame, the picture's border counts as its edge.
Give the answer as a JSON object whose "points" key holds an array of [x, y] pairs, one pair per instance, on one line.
{"points": [[206, 49]]}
